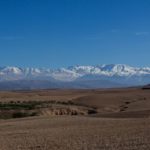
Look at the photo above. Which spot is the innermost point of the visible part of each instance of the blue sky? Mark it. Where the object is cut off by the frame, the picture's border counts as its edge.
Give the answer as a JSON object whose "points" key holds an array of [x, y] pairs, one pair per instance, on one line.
{"points": [[59, 33]]}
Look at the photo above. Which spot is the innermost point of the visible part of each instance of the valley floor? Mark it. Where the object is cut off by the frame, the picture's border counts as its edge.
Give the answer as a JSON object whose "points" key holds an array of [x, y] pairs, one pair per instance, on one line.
{"points": [[113, 119], [74, 133]]}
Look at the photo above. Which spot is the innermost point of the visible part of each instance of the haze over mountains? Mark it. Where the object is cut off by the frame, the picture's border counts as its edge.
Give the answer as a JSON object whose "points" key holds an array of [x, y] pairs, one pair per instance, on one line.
{"points": [[100, 76]]}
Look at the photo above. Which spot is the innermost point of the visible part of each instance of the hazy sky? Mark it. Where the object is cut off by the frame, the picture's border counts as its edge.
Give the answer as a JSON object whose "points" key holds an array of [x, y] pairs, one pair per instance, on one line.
{"points": [[58, 33]]}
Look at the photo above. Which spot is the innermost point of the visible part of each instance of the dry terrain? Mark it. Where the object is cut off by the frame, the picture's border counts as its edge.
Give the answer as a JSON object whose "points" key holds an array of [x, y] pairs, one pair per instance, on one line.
{"points": [[112, 119]]}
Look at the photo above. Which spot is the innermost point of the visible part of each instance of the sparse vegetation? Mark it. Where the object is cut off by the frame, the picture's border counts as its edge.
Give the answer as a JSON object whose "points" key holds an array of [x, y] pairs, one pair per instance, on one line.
{"points": [[23, 109], [115, 120]]}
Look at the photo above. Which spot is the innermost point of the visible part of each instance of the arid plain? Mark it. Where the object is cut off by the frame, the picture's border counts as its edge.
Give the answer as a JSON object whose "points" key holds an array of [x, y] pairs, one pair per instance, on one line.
{"points": [[100, 119]]}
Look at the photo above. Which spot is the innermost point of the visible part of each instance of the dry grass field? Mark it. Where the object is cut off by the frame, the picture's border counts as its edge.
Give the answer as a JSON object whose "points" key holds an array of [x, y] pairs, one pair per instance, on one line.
{"points": [[112, 119]]}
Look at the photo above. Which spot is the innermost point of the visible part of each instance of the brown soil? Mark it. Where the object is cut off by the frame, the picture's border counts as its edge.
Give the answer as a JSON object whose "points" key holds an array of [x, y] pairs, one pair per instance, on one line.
{"points": [[113, 119]]}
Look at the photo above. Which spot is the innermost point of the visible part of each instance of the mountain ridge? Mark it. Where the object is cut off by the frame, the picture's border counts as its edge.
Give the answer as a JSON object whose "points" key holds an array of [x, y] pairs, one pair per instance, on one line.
{"points": [[98, 76], [73, 72]]}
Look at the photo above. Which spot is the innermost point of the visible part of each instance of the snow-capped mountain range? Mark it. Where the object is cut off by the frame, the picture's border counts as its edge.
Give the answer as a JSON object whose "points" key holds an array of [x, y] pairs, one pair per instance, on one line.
{"points": [[79, 75], [71, 73]]}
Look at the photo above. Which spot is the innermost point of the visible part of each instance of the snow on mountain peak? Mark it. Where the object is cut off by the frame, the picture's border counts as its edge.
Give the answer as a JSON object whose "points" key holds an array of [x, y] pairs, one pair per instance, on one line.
{"points": [[11, 70], [73, 72]]}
